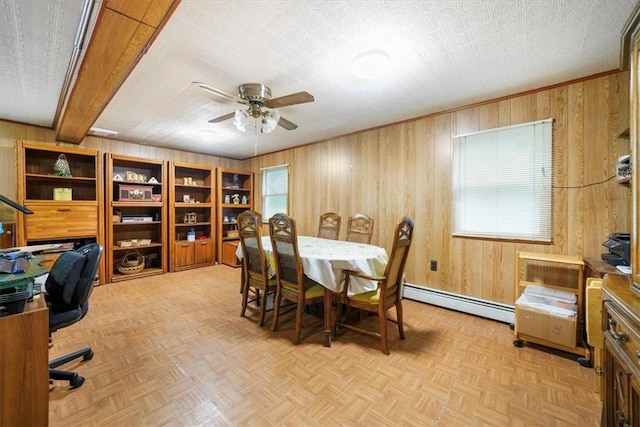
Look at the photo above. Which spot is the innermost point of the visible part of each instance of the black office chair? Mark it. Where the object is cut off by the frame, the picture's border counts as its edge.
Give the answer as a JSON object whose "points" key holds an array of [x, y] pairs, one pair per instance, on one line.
{"points": [[68, 288]]}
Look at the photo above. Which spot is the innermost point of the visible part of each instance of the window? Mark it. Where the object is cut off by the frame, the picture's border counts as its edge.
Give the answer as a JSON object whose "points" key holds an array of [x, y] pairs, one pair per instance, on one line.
{"points": [[502, 182], [275, 190]]}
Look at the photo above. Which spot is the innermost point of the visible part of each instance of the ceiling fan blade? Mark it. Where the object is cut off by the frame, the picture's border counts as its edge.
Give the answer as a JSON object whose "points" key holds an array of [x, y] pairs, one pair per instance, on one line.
{"points": [[287, 124], [218, 92], [294, 98], [222, 118]]}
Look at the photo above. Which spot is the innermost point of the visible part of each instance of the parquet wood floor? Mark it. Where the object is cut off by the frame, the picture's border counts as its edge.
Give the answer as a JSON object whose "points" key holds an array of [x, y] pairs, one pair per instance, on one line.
{"points": [[172, 350]]}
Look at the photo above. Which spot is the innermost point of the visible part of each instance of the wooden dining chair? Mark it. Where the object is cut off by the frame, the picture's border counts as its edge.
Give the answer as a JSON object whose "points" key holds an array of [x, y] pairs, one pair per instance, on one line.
{"points": [[255, 268], [360, 229], [389, 291], [292, 284], [329, 227]]}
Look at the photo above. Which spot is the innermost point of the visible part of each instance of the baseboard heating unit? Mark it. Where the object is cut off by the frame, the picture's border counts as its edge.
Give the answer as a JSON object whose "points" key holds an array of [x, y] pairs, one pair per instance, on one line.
{"points": [[476, 306]]}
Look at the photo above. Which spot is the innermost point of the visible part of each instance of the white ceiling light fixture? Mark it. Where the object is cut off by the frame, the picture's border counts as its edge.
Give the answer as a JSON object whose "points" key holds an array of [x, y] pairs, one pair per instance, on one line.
{"points": [[264, 121], [96, 131], [241, 120], [370, 65]]}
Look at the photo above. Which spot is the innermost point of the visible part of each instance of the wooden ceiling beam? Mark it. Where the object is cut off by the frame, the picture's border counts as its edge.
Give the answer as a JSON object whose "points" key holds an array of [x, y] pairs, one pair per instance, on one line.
{"points": [[123, 32]]}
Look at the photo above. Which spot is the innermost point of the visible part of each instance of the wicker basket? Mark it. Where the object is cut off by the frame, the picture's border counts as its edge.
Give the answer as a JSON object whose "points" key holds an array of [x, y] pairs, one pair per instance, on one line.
{"points": [[131, 263], [233, 234]]}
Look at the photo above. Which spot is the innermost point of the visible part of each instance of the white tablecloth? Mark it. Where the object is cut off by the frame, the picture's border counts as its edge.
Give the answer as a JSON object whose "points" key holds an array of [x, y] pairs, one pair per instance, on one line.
{"points": [[324, 260]]}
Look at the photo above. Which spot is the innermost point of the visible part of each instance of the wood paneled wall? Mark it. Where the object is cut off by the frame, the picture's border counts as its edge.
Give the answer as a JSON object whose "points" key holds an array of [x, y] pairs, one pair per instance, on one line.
{"points": [[405, 169]]}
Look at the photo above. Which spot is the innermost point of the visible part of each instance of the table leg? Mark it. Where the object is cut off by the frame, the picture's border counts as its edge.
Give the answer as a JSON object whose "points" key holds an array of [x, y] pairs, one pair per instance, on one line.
{"points": [[328, 312]]}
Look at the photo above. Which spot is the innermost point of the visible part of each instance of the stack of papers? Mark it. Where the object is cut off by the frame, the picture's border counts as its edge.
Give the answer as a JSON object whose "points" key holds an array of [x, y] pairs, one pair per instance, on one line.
{"points": [[558, 303], [624, 269]]}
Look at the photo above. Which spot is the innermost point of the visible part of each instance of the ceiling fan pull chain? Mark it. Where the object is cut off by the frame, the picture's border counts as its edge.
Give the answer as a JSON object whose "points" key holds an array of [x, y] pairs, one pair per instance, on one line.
{"points": [[255, 140]]}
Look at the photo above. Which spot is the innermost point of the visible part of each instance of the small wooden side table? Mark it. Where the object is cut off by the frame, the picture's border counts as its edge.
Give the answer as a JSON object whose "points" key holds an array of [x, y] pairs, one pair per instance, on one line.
{"points": [[229, 257]]}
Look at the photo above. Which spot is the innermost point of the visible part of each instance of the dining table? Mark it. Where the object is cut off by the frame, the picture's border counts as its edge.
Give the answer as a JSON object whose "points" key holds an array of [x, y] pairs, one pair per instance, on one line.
{"points": [[324, 261]]}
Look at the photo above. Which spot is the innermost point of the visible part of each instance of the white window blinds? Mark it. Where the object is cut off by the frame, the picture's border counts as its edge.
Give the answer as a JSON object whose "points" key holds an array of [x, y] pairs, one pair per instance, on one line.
{"points": [[502, 183]]}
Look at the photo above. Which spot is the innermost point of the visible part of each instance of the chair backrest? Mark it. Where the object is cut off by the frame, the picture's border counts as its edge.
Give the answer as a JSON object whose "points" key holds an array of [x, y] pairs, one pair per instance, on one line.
{"points": [[360, 229], [394, 272], [329, 227], [284, 242], [70, 280], [254, 260]]}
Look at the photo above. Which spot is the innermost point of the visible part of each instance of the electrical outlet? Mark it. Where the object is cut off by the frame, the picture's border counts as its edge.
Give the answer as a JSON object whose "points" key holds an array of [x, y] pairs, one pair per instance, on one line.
{"points": [[434, 265]]}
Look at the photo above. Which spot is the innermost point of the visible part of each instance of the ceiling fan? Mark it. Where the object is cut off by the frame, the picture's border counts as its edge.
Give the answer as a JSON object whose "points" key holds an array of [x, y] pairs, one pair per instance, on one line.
{"points": [[257, 96]]}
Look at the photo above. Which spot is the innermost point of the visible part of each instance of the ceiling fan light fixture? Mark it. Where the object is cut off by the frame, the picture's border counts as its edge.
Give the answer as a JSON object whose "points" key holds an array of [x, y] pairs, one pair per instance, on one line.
{"points": [[370, 65], [267, 122], [270, 121], [241, 119], [262, 114]]}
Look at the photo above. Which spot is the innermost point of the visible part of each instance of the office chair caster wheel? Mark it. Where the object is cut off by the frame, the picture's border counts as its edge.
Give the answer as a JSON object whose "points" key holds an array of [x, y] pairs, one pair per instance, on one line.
{"points": [[76, 381], [88, 356], [584, 362], [518, 343]]}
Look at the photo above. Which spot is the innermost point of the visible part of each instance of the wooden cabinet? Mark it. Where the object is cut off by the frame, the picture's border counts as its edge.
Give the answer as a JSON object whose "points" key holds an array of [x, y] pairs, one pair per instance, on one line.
{"points": [[68, 208], [621, 322], [136, 214], [551, 272], [7, 239], [191, 207], [51, 221], [235, 195], [633, 33], [187, 255], [24, 369], [621, 294], [229, 253]]}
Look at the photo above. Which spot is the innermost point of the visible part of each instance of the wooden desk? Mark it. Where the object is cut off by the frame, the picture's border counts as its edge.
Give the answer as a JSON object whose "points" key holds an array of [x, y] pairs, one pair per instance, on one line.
{"points": [[24, 366], [595, 267]]}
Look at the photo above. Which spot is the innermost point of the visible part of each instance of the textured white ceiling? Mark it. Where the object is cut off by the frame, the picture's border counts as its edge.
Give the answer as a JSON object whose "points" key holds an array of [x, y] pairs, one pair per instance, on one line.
{"points": [[443, 54], [36, 43]]}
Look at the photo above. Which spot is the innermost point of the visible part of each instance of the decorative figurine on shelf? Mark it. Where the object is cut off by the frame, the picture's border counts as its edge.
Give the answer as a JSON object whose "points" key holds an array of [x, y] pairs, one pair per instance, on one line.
{"points": [[244, 200], [227, 199], [236, 199], [61, 166], [190, 217], [236, 181]]}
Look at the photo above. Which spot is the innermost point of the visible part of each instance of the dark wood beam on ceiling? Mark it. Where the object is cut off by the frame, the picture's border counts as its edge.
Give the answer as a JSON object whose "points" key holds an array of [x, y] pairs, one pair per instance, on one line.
{"points": [[123, 32]]}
